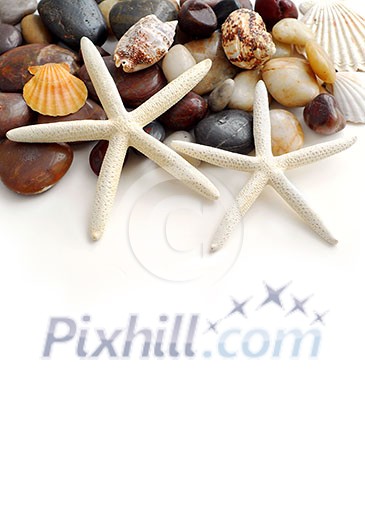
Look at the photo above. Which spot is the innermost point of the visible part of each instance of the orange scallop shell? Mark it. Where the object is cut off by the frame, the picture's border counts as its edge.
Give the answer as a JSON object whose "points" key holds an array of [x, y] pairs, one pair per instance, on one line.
{"points": [[54, 91]]}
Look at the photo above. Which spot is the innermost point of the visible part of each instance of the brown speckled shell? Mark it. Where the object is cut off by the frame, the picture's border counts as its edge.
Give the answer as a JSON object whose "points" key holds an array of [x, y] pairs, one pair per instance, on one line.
{"points": [[245, 40], [144, 44]]}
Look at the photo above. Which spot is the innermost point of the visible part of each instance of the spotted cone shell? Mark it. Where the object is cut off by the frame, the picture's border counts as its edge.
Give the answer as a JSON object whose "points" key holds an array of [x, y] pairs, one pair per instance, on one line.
{"points": [[54, 91], [144, 44], [245, 40]]}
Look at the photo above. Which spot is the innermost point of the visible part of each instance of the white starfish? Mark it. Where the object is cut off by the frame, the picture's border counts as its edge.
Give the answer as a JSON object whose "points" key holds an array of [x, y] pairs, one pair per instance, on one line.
{"points": [[123, 129], [266, 169]]}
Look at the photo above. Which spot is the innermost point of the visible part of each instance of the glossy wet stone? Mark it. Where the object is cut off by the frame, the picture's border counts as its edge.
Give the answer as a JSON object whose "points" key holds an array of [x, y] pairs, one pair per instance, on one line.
{"points": [[33, 168], [197, 19], [230, 130], [290, 81], [12, 11], [14, 63], [134, 88], [69, 20], [13, 112], [126, 13], [34, 31], [272, 11], [221, 95], [97, 155], [286, 132], [221, 67], [186, 113], [10, 37], [90, 111], [244, 90], [323, 115], [177, 60], [105, 8], [224, 8]]}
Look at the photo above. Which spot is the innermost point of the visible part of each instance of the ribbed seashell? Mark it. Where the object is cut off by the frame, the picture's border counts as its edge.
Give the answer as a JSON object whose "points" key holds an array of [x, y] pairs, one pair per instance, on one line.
{"points": [[54, 91], [349, 92], [339, 30], [144, 44], [245, 40]]}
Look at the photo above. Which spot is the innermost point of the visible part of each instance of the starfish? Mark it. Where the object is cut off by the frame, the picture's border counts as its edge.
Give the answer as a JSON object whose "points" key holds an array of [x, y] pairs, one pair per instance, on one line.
{"points": [[265, 169], [123, 129]]}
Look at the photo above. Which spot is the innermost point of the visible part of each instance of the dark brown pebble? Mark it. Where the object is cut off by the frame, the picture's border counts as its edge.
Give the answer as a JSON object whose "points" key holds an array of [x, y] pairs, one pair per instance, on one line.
{"points": [[186, 113], [10, 37], [134, 88], [29, 169], [97, 155], [14, 63], [196, 18], [90, 111], [272, 11], [13, 112], [323, 115], [225, 7]]}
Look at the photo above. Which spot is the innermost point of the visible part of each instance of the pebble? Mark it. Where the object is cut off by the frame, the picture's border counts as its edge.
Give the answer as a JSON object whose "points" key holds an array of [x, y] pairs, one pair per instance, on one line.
{"points": [[286, 132], [14, 63], [34, 31], [244, 90], [224, 8], [282, 50], [97, 155], [197, 19], [231, 130], [33, 168], [272, 11], [177, 61], [221, 95], [291, 31], [69, 20], [10, 37], [105, 7], [90, 111], [184, 136], [125, 13], [221, 67], [134, 88], [12, 11], [13, 112], [290, 81], [186, 113], [323, 115], [320, 62]]}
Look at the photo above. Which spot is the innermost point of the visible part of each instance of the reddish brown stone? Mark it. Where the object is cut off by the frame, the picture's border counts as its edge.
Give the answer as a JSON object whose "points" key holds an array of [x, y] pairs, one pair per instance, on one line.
{"points": [[90, 111], [186, 113], [14, 63], [197, 18], [33, 168], [97, 155], [134, 88], [13, 112]]}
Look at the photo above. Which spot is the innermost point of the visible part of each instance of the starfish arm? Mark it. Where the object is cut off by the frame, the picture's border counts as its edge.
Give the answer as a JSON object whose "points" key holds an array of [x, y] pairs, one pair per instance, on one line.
{"points": [[261, 121], [107, 184], [171, 161], [304, 156], [244, 200], [296, 201], [170, 94], [75, 131], [218, 157], [102, 81]]}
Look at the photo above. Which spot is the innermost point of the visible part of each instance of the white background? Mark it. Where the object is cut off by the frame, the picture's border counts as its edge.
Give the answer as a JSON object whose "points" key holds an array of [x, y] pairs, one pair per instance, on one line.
{"points": [[176, 442]]}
